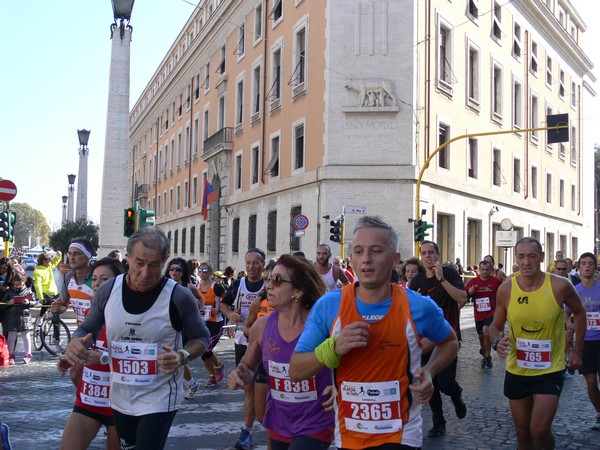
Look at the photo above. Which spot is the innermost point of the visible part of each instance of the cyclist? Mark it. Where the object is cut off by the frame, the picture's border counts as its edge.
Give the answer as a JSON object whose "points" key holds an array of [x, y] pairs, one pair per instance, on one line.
{"points": [[92, 406]]}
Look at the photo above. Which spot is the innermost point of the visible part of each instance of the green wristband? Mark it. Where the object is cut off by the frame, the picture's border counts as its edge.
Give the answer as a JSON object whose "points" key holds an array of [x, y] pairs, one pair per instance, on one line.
{"points": [[326, 355]]}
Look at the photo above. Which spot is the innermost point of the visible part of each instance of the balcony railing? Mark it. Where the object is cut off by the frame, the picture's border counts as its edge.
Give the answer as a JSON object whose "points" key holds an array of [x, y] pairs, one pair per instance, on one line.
{"points": [[221, 139]]}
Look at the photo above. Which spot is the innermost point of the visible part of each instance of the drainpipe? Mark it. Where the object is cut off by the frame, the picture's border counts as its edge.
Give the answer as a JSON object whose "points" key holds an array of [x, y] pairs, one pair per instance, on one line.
{"points": [[264, 93]]}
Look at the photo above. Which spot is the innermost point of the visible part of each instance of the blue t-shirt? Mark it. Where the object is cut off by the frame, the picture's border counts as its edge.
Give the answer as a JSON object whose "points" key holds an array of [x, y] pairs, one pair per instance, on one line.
{"points": [[426, 315], [590, 298]]}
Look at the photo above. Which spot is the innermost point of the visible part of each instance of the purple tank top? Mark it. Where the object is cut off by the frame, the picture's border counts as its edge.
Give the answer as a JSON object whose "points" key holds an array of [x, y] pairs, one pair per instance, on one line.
{"points": [[590, 298], [293, 409]]}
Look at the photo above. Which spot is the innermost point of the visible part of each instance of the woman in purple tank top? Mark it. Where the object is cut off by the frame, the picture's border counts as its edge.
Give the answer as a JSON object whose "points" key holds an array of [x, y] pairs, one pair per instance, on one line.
{"points": [[295, 418]]}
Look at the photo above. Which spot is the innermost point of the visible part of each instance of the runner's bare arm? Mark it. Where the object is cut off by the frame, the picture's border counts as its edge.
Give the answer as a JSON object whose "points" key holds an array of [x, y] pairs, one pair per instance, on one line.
{"points": [[304, 365], [496, 328], [443, 354]]}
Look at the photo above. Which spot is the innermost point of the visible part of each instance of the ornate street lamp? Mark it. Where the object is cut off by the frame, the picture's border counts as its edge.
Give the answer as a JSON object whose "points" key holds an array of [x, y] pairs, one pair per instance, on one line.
{"points": [[84, 151], [122, 12], [71, 200], [64, 210]]}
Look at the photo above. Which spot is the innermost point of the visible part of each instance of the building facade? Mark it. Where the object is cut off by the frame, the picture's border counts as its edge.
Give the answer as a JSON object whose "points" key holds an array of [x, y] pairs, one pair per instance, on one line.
{"points": [[290, 107]]}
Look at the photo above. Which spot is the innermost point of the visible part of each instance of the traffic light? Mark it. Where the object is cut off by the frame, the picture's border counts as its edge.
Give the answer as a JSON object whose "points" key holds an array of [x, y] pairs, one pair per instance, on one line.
{"points": [[129, 222], [12, 218], [420, 229], [145, 218], [4, 225], [336, 230]]}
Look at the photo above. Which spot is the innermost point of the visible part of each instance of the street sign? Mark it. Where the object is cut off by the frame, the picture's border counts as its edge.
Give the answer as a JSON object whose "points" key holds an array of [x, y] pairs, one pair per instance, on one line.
{"points": [[506, 238], [298, 233], [560, 135], [300, 222], [355, 209], [8, 190]]}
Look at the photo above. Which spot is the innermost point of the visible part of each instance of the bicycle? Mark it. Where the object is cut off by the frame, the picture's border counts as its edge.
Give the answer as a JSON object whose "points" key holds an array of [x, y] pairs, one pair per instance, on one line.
{"points": [[43, 334]]}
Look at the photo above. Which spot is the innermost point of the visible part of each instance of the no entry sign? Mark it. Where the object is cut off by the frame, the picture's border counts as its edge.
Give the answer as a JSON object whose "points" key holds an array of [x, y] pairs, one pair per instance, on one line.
{"points": [[8, 190]]}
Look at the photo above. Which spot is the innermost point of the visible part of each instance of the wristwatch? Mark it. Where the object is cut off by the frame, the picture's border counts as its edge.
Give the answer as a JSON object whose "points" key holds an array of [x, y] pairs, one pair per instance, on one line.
{"points": [[441, 280], [186, 356]]}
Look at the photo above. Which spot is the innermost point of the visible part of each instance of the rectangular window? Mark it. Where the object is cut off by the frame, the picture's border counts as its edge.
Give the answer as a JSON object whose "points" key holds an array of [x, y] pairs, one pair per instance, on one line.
{"points": [[196, 136], [235, 235], [273, 167], [172, 153], [535, 122], [299, 73], [497, 92], [183, 240], [256, 85], [444, 63], [171, 201], [238, 171], [517, 175], [202, 239], [497, 167], [561, 193], [299, 147], [258, 21], [239, 103], [548, 113], [533, 63], [473, 9], [516, 48], [206, 82], [165, 202], [255, 164], [195, 190], [178, 198], [275, 91], [549, 72], [294, 240], [205, 125], [573, 94], [179, 150], [272, 231], [186, 193], [187, 144], [573, 199], [473, 76], [472, 161], [192, 239], [573, 141], [534, 182], [497, 22], [252, 231], [517, 104], [548, 188], [444, 154], [277, 11], [241, 46], [176, 241], [221, 68], [561, 87], [221, 113]]}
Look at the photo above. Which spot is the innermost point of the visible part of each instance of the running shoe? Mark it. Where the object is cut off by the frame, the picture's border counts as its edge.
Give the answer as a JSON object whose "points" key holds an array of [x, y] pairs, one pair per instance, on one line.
{"points": [[459, 406], [220, 372], [212, 382], [245, 440], [596, 423], [190, 393], [27, 359], [11, 360], [483, 363], [4, 431], [488, 362], [437, 430]]}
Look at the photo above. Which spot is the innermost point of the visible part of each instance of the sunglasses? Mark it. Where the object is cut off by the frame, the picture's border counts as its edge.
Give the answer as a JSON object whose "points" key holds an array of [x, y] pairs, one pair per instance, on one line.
{"points": [[561, 268], [203, 270], [276, 280], [175, 269]]}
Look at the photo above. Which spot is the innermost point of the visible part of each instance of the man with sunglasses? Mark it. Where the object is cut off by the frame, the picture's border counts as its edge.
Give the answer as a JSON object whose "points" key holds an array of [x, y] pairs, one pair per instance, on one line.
{"points": [[236, 306], [561, 268]]}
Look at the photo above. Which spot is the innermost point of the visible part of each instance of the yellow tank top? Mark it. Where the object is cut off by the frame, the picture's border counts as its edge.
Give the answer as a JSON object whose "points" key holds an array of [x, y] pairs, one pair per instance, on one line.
{"points": [[537, 331]]}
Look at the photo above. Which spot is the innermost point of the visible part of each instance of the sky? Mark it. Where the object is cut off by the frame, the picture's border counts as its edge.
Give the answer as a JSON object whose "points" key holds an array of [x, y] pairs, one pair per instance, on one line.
{"points": [[56, 58]]}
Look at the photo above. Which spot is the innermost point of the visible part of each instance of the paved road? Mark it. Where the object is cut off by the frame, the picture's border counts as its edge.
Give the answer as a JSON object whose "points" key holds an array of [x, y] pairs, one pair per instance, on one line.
{"points": [[36, 401]]}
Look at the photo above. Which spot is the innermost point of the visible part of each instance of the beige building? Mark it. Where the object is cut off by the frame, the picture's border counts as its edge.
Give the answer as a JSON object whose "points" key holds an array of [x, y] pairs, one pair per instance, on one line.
{"points": [[292, 107]]}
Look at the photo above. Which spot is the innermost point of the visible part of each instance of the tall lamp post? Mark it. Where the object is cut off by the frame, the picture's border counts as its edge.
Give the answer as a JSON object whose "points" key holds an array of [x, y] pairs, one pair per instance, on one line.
{"points": [[64, 210], [71, 199], [115, 185], [84, 136]]}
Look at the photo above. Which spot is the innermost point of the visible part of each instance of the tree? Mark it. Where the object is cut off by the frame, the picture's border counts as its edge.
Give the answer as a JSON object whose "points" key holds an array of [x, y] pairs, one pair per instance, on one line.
{"points": [[61, 238], [30, 223]]}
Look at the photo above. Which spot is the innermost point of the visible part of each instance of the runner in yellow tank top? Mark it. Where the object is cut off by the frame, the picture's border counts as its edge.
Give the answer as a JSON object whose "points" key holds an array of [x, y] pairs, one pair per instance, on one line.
{"points": [[533, 303]]}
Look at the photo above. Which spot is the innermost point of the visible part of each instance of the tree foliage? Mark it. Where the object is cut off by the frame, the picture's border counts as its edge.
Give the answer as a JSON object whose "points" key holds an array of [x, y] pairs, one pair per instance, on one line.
{"points": [[61, 238], [30, 222]]}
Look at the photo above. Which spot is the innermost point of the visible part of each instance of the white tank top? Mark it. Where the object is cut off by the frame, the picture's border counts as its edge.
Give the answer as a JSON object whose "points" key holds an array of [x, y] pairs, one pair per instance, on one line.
{"points": [[328, 278], [134, 341]]}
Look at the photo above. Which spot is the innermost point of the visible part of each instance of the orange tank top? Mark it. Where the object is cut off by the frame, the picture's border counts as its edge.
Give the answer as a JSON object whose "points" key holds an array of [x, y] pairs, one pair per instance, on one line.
{"points": [[264, 309], [211, 301], [373, 399]]}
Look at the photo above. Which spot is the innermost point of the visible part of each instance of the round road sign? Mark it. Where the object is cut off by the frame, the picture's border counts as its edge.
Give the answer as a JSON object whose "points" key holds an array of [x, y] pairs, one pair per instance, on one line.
{"points": [[8, 190], [300, 222]]}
